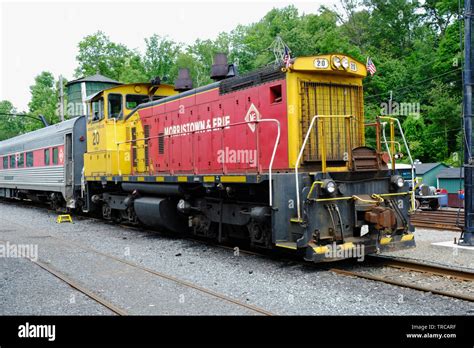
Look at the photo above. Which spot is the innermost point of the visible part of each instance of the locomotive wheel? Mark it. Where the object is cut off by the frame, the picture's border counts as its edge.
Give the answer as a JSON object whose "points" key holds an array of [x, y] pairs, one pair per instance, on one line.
{"points": [[434, 204], [260, 235], [106, 212]]}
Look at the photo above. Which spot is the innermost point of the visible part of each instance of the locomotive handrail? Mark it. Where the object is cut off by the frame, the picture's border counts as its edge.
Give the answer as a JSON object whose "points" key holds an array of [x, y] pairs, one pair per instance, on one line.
{"points": [[392, 135], [270, 165], [323, 154], [385, 139]]}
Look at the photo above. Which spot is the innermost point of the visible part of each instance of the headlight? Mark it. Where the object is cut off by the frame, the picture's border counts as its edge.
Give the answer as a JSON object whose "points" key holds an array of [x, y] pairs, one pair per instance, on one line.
{"points": [[336, 61], [345, 63], [398, 181], [329, 186]]}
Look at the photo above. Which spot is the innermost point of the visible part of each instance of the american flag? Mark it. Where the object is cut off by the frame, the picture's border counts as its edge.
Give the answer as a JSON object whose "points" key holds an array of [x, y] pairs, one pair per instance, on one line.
{"points": [[287, 57], [371, 67]]}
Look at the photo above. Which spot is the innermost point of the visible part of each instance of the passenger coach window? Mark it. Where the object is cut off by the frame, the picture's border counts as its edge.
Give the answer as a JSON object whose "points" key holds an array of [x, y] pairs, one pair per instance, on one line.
{"points": [[115, 106], [46, 157], [55, 155], [29, 159], [21, 160], [12, 162], [133, 100], [5, 162]]}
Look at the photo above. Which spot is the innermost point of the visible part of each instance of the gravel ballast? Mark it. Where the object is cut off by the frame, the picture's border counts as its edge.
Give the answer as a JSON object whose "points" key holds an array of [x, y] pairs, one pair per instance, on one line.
{"points": [[427, 253], [27, 289]]}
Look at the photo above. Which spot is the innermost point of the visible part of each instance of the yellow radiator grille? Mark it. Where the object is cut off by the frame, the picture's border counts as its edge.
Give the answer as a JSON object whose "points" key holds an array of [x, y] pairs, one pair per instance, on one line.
{"points": [[331, 99]]}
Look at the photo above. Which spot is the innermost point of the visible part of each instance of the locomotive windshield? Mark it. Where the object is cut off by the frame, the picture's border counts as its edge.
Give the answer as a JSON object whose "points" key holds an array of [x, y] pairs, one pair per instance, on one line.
{"points": [[133, 100]]}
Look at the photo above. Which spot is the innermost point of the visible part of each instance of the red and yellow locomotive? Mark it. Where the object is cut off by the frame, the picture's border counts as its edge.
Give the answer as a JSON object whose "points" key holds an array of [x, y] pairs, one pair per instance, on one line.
{"points": [[276, 157]]}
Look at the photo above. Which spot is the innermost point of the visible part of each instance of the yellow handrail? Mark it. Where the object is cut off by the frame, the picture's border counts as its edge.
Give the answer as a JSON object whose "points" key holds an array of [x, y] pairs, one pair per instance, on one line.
{"points": [[323, 152], [378, 196], [312, 188]]}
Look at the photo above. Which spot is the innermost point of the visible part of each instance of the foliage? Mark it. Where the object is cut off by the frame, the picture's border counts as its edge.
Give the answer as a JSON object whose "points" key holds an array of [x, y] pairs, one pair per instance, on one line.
{"points": [[10, 125], [98, 55], [44, 100], [160, 57]]}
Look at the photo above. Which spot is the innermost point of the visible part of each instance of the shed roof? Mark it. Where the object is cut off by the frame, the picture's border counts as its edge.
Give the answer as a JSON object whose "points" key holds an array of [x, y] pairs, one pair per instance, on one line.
{"points": [[423, 168], [450, 173], [94, 78]]}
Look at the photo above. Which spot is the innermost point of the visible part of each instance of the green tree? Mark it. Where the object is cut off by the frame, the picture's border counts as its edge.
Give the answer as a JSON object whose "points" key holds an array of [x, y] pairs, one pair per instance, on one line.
{"points": [[354, 20], [439, 14], [98, 55], [392, 25], [160, 57], [10, 125], [414, 129], [44, 100], [133, 70], [444, 114]]}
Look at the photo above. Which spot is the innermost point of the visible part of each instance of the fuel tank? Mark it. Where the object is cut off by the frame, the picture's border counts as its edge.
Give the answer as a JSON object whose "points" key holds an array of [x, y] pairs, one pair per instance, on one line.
{"points": [[160, 212]]}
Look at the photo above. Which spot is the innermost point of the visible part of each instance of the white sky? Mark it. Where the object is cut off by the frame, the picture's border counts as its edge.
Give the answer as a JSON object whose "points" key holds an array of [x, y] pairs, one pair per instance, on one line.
{"points": [[40, 36]]}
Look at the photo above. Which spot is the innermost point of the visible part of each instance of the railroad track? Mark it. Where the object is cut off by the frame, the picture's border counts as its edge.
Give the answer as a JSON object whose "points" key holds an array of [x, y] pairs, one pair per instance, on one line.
{"points": [[170, 278], [455, 276], [74, 284], [439, 219]]}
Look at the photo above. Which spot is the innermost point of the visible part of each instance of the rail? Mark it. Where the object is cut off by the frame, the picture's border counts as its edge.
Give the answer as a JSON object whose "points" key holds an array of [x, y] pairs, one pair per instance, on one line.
{"points": [[256, 122], [323, 150]]}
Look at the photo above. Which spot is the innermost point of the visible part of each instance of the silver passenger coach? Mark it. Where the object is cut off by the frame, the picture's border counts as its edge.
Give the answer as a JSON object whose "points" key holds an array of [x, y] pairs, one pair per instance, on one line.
{"points": [[45, 164]]}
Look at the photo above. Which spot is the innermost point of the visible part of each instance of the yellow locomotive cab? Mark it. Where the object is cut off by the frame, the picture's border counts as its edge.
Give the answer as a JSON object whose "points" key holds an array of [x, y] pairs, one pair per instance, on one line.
{"points": [[109, 128]]}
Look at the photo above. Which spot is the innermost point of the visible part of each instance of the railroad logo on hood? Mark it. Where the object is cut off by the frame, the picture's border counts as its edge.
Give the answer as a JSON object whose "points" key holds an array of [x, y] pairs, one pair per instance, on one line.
{"points": [[252, 115]]}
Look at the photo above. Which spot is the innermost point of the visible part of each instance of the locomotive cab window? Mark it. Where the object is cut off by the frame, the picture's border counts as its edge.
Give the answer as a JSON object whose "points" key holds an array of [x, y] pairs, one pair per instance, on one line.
{"points": [[5, 162], [46, 157], [275, 94], [98, 110], [115, 106], [133, 100], [55, 155], [29, 159]]}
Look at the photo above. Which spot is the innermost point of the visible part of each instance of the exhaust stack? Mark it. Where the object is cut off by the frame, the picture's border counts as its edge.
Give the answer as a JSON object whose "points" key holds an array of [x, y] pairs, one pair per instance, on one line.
{"points": [[183, 82], [221, 69]]}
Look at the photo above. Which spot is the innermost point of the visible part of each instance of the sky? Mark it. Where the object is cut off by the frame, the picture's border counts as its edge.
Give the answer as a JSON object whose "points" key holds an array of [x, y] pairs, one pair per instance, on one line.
{"points": [[38, 36]]}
